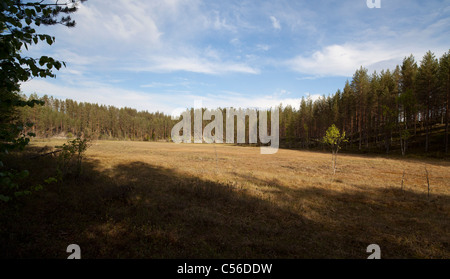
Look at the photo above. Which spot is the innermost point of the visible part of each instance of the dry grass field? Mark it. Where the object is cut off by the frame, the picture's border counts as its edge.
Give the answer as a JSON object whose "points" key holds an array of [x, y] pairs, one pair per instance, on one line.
{"points": [[166, 200]]}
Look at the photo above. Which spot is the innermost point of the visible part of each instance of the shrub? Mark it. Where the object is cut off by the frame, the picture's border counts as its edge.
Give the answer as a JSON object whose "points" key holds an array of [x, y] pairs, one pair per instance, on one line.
{"points": [[71, 156]]}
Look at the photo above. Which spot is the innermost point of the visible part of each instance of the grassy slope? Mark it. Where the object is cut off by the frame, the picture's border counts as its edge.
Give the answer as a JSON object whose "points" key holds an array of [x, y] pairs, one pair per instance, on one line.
{"points": [[164, 200]]}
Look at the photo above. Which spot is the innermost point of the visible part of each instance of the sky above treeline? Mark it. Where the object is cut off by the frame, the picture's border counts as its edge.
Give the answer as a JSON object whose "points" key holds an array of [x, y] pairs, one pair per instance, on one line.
{"points": [[171, 54]]}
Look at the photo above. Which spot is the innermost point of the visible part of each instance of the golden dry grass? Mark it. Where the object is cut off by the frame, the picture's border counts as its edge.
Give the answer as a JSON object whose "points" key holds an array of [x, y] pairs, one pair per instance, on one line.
{"points": [[166, 200]]}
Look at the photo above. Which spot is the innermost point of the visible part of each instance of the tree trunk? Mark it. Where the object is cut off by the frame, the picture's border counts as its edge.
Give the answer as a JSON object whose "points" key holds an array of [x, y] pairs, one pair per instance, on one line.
{"points": [[359, 133], [415, 124], [427, 125], [446, 122], [334, 154]]}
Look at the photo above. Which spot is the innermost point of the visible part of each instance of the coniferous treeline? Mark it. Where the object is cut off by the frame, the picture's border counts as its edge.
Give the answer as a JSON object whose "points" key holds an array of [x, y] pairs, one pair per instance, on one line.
{"points": [[378, 111], [406, 108], [71, 118]]}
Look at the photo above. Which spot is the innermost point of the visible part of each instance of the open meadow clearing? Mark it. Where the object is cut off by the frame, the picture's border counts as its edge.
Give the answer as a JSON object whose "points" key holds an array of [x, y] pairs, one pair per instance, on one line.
{"points": [[95, 97], [166, 200]]}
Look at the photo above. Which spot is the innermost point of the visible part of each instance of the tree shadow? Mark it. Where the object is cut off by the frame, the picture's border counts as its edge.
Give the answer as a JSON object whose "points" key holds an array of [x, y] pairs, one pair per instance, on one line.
{"points": [[138, 210]]}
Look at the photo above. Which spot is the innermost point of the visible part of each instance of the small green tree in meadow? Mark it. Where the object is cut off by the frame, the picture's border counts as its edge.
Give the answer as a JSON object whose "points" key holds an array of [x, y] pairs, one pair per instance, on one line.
{"points": [[71, 156], [334, 138]]}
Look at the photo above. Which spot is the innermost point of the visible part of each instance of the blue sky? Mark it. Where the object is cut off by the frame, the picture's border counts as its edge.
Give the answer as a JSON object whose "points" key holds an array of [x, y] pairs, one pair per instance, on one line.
{"points": [[166, 55]]}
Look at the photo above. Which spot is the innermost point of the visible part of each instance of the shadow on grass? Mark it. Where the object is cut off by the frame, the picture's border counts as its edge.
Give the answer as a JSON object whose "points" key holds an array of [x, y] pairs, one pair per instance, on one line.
{"points": [[138, 210]]}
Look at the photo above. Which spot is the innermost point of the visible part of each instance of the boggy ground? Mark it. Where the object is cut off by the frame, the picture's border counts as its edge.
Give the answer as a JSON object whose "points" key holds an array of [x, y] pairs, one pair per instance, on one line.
{"points": [[166, 200]]}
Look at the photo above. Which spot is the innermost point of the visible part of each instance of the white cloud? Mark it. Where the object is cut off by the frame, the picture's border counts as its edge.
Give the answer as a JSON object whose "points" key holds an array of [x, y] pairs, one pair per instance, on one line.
{"points": [[235, 42], [165, 101], [157, 36], [275, 22], [281, 92], [313, 97], [156, 85], [381, 46], [343, 60], [115, 21], [220, 23], [236, 100], [307, 78], [262, 47], [114, 40], [102, 94], [202, 65]]}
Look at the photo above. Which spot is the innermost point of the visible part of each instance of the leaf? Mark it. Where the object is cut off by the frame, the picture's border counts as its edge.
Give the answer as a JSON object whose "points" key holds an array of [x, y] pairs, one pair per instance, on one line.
{"points": [[4, 198], [57, 65], [6, 181], [38, 187], [24, 174], [22, 193], [28, 12], [50, 180], [43, 60], [49, 40]]}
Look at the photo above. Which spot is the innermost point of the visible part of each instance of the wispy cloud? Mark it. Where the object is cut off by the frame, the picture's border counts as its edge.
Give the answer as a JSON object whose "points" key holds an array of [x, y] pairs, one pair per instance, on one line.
{"points": [[157, 36], [163, 53], [193, 64], [220, 23], [118, 21], [313, 97], [307, 78], [103, 94], [275, 22], [156, 85], [343, 60], [337, 60], [164, 101], [262, 47]]}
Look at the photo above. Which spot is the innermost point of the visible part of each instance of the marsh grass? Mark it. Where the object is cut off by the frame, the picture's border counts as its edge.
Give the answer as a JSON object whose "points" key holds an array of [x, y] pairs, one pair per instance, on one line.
{"points": [[164, 200]]}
